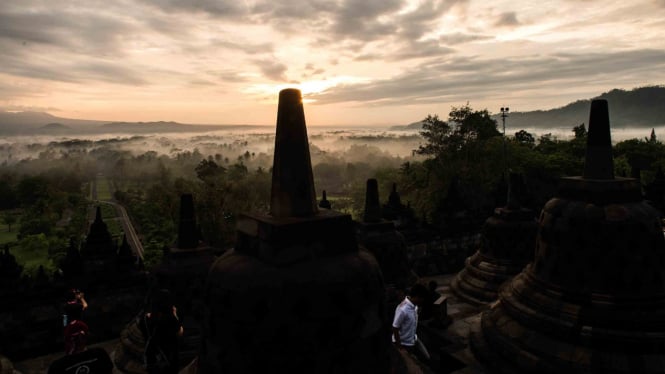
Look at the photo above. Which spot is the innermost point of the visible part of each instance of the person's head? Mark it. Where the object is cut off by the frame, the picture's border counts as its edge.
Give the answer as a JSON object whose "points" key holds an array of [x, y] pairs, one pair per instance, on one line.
{"points": [[72, 294], [432, 285], [162, 302], [418, 294]]}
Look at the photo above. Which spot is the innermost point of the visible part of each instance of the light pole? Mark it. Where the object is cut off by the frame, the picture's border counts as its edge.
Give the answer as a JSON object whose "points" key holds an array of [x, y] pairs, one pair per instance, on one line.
{"points": [[504, 114]]}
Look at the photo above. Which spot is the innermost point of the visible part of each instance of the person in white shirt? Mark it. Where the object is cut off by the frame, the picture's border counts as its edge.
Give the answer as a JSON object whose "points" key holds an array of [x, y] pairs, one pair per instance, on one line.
{"points": [[406, 321]]}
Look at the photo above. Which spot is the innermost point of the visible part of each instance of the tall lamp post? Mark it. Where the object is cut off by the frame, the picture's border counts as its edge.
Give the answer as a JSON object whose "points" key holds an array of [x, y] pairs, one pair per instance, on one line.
{"points": [[504, 114]]}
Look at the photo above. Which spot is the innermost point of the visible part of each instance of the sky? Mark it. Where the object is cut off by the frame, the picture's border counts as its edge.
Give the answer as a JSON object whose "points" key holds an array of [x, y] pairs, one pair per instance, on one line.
{"points": [[357, 62]]}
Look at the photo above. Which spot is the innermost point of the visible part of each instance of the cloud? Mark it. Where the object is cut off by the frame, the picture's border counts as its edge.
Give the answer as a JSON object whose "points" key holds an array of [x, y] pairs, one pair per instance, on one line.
{"points": [[461, 78], [77, 31], [416, 23], [246, 47], [27, 108], [508, 19], [25, 62], [460, 38], [228, 75], [217, 8], [272, 69]]}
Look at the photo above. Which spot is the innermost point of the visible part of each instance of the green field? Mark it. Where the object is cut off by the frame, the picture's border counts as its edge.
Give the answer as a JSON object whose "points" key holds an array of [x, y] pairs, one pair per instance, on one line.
{"points": [[103, 190], [6, 236], [109, 217]]}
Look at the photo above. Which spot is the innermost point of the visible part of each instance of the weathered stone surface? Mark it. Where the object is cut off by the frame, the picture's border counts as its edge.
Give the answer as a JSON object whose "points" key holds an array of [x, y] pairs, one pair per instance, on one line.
{"points": [[593, 300]]}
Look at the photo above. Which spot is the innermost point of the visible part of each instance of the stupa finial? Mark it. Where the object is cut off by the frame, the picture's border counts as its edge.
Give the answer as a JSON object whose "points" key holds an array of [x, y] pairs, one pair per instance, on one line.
{"points": [[372, 205], [187, 232], [292, 192], [324, 203], [599, 163]]}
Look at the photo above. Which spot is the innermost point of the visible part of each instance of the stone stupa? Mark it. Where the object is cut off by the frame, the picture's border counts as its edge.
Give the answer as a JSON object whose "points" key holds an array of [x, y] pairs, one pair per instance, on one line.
{"points": [[295, 294], [593, 299], [383, 241], [507, 245]]}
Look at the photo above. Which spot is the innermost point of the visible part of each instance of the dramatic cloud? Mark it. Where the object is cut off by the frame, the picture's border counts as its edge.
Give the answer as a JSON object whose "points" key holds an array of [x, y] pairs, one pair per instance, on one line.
{"points": [[462, 79], [358, 61]]}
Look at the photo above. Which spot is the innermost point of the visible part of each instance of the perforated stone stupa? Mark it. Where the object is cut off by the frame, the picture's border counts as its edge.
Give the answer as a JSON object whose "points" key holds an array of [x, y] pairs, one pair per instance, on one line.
{"points": [[593, 300], [508, 243], [295, 294], [382, 240]]}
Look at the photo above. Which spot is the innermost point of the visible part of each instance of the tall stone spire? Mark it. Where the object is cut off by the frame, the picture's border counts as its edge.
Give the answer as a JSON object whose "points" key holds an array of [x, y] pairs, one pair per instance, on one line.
{"points": [[394, 198], [187, 233], [599, 163], [98, 214], [324, 203], [372, 206], [292, 192]]}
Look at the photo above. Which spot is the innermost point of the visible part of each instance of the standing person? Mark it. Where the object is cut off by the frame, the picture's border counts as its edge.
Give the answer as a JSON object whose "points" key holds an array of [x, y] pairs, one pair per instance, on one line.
{"points": [[76, 331], [405, 322], [161, 329], [74, 299]]}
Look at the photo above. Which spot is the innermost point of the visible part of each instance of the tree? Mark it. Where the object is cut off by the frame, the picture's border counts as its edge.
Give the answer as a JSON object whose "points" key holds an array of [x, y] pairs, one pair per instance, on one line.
{"points": [[525, 138], [208, 171], [652, 138], [473, 124], [580, 131], [435, 131], [9, 219], [465, 126]]}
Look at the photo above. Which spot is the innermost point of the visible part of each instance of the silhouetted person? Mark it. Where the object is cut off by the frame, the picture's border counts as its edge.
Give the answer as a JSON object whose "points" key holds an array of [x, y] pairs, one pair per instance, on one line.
{"points": [[161, 329], [405, 322], [76, 331]]}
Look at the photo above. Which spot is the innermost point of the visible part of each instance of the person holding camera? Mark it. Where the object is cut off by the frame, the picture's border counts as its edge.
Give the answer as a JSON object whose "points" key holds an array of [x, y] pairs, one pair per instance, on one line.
{"points": [[76, 331]]}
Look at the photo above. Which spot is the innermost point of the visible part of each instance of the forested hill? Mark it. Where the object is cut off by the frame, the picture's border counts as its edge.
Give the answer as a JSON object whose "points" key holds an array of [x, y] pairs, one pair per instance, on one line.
{"points": [[641, 107]]}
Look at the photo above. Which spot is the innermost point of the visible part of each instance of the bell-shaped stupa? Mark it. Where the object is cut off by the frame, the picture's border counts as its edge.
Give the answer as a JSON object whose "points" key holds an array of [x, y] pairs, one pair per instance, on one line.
{"points": [[507, 245], [593, 299], [295, 294]]}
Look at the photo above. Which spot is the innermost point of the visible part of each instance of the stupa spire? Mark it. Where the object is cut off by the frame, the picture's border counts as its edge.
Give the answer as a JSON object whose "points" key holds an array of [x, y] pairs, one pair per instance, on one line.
{"points": [[187, 233], [292, 193], [372, 206], [324, 203], [599, 163]]}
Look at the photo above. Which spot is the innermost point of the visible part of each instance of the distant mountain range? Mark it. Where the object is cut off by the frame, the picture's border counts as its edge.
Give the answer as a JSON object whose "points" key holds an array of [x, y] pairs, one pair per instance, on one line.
{"points": [[39, 123], [640, 107]]}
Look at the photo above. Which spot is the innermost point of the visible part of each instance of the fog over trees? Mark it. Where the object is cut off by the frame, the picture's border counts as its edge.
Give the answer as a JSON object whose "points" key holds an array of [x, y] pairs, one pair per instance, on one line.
{"points": [[47, 183]]}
